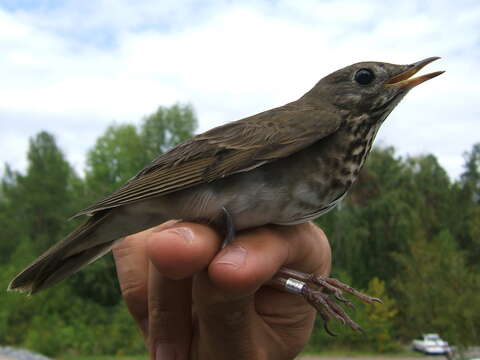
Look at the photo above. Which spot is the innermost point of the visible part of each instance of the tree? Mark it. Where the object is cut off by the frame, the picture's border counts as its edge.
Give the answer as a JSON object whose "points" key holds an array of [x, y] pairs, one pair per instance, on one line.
{"points": [[468, 205], [437, 290], [12, 225], [429, 192], [33, 211], [470, 178], [40, 200], [123, 150], [117, 156], [379, 324], [167, 127]]}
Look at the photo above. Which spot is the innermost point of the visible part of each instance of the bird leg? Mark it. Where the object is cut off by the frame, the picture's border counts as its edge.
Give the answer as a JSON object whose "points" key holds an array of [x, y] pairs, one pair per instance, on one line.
{"points": [[310, 287], [228, 227]]}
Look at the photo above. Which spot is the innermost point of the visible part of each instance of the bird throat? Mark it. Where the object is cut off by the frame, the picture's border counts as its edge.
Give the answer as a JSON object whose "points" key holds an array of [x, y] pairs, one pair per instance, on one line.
{"points": [[357, 140]]}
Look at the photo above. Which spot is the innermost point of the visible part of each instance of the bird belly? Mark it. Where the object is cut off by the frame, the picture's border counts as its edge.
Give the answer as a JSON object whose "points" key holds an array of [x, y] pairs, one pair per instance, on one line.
{"points": [[258, 197], [246, 196], [296, 189]]}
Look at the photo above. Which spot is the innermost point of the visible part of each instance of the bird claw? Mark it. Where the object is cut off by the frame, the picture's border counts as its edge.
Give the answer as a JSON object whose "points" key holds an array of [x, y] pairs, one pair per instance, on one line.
{"points": [[324, 302], [338, 287]]}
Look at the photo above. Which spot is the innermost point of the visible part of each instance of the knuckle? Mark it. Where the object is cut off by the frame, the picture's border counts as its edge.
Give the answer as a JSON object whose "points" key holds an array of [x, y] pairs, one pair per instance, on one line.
{"points": [[133, 290], [163, 321], [229, 313], [160, 315]]}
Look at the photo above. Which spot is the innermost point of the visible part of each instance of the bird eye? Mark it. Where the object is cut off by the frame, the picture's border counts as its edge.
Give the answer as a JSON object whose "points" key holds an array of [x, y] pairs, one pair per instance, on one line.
{"points": [[364, 76]]}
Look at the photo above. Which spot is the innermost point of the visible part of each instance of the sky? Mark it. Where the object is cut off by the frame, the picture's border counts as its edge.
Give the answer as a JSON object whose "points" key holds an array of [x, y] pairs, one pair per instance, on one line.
{"points": [[74, 67]]}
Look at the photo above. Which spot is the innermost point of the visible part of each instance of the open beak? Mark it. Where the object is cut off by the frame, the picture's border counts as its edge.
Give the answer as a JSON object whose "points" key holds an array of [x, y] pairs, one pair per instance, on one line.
{"points": [[404, 79]]}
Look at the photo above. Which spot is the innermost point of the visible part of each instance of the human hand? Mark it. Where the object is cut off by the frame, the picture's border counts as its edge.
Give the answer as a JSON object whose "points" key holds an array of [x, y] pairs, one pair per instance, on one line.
{"points": [[192, 301]]}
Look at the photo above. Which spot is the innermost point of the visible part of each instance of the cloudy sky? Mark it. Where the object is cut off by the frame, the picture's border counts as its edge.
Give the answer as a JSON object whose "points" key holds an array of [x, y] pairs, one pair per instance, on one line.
{"points": [[74, 67]]}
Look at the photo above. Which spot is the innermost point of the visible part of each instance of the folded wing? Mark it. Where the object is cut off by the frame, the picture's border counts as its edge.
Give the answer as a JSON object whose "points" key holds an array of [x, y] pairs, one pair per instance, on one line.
{"points": [[235, 147]]}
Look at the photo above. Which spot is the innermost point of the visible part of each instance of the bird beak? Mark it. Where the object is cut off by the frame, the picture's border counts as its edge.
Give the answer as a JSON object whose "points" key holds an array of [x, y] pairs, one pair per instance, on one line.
{"points": [[404, 79]]}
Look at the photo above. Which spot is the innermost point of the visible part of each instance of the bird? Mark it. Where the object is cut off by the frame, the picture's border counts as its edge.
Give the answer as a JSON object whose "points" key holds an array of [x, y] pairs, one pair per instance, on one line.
{"points": [[285, 166]]}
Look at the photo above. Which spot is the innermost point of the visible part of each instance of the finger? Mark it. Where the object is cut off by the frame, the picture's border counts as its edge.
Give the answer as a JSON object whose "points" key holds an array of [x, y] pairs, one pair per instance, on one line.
{"points": [[182, 250], [175, 253], [132, 271], [170, 317], [309, 252], [256, 255], [131, 262], [225, 326]]}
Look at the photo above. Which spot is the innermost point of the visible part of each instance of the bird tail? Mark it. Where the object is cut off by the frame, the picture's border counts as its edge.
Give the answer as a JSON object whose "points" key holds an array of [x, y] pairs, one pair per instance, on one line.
{"points": [[78, 249]]}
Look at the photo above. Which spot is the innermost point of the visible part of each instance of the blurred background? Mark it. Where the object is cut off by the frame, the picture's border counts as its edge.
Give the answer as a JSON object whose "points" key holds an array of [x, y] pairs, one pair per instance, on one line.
{"points": [[90, 92]]}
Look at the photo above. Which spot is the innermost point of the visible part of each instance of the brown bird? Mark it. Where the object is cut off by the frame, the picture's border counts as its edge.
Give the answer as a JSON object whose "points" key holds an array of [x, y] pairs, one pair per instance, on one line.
{"points": [[287, 165]]}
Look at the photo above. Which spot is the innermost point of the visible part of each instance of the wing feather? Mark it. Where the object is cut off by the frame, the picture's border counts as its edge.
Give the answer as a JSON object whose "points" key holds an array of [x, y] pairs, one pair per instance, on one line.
{"points": [[228, 149]]}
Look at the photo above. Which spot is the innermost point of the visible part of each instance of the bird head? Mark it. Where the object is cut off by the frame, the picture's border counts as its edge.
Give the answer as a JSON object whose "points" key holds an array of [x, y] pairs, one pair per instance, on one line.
{"points": [[373, 88]]}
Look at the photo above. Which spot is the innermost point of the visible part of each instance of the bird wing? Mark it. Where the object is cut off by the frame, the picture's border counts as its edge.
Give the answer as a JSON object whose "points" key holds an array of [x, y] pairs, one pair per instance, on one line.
{"points": [[225, 150]]}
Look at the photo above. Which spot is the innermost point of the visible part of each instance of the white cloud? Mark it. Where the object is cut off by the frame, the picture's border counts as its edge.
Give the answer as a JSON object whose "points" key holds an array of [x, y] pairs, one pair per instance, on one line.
{"points": [[72, 70]]}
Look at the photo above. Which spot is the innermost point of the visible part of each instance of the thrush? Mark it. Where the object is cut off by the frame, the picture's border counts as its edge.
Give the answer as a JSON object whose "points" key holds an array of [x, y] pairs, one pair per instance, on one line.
{"points": [[285, 166]]}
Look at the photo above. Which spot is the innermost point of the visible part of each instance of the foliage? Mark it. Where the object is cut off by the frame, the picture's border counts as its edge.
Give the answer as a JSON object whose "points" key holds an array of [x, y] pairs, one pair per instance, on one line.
{"points": [[123, 150], [167, 127], [471, 176], [438, 288], [379, 324]]}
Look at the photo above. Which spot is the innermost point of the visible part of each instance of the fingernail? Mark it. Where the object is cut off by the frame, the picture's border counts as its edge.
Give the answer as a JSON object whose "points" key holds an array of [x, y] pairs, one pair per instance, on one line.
{"points": [[233, 255], [165, 225], [165, 352], [183, 232]]}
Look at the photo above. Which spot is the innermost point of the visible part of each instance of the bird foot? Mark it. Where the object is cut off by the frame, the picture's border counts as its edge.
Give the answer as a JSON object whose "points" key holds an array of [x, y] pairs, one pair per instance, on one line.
{"points": [[321, 292]]}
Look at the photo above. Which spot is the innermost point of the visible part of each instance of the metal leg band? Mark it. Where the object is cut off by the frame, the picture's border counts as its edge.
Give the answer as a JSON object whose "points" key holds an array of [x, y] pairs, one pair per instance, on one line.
{"points": [[294, 286]]}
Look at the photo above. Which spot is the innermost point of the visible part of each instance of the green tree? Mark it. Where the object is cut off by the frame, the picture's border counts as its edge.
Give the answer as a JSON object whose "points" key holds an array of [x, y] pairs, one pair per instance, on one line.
{"points": [[13, 226], [33, 207], [40, 200], [123, 150], [468, 206], [470, 178], [117, 155], [379, 324], [167, 127], [429, 192], [437, 290]]}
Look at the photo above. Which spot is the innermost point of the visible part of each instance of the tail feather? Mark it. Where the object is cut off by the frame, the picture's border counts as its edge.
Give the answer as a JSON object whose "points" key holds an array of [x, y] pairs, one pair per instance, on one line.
{"points": [[43, 274], [58, 262], [87, 243]]}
